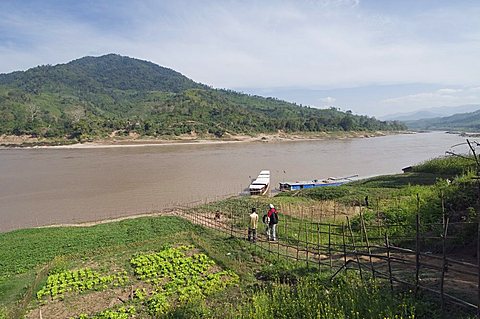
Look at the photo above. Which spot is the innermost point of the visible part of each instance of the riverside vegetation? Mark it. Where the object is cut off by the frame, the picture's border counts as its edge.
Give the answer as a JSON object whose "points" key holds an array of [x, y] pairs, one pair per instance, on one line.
{"points": [[97, 97], [170, 268]]}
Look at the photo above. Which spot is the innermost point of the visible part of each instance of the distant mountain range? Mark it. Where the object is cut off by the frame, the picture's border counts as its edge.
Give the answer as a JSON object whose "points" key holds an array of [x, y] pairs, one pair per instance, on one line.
{"points": [[433, 112], [94, 97], [467, 122]]}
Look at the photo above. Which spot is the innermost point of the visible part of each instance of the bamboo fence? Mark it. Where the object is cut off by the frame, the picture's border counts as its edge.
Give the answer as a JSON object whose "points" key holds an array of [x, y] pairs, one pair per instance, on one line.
{"points": [[418, 256]]}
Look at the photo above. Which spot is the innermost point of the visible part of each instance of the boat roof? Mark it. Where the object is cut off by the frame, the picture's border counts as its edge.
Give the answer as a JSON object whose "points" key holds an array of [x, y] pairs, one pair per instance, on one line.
{"points": [[315, 182], [262, 180], [256, 186], [329, 180]]}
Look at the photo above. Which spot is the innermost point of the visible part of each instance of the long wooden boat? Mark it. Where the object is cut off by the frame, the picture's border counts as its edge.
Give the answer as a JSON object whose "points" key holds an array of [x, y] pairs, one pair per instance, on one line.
{"points": [[260, 185], [331, 181]]}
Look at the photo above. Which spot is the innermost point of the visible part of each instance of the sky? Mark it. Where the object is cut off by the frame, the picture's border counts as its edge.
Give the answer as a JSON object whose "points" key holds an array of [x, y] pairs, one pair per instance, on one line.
{"points": [[372, 57]]}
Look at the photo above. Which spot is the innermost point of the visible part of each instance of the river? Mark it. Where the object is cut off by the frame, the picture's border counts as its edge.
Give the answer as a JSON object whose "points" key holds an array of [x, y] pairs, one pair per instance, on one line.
{"points": [[52, 186]]}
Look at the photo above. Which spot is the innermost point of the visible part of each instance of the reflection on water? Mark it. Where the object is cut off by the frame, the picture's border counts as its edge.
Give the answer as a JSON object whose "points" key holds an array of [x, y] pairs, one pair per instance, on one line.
{"points": [[48, 186]]}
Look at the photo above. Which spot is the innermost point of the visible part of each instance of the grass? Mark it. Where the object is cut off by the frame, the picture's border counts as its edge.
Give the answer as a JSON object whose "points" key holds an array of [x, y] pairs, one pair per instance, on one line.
{"points": [[285, 289], [25, 249], [447, 165], [269, 287], [32, 254]]}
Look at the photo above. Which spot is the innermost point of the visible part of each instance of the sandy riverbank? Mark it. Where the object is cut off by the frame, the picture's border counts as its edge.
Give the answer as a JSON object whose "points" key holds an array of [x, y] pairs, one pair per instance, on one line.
{"points": [[113, 220], [30, 142]]}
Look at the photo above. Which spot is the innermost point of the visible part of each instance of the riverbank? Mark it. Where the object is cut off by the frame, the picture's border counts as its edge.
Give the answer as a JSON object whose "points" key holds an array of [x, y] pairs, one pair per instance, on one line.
{"points": [[8, 141], [107, 248]]}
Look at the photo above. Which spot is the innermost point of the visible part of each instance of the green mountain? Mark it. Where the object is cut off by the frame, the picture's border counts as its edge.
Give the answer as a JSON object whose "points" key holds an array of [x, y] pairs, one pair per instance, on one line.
{"points": [[459, 122], [94, 96]]}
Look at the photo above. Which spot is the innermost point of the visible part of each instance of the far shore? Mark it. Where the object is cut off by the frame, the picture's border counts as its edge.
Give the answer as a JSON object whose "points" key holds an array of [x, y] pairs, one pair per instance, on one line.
{"points": [[27, 142]]}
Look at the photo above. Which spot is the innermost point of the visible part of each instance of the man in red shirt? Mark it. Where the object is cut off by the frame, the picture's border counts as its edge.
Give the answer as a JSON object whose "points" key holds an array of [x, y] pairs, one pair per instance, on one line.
{"points": [[273, 221]]}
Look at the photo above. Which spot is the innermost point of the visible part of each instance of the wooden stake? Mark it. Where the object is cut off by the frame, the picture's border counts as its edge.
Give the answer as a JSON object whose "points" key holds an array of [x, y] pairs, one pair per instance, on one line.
{"points": [[344, 248], [444, 261], [417, 247], [362, 222], [306, 240], [330, 244], [318, 249], [355, 248], [387, 245]]}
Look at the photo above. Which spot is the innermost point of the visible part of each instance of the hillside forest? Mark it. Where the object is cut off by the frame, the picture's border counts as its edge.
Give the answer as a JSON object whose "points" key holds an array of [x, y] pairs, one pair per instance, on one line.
{"points": [[93, 97]]}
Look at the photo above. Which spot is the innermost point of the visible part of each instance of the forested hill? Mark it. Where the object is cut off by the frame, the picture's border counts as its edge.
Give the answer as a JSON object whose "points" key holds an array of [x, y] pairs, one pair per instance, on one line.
{"points": [[94, 96], [469, 122]]}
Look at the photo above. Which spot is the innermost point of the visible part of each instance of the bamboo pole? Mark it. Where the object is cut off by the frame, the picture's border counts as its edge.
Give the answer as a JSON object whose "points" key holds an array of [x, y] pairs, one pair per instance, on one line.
{"points": [[318, 249], [231, 224], [478, 265], [278, 249], [417, 246], [378, 218], [344, 247], [330, 244], [444, 263], [334, 211], [355, 248], [307, 227], [298, 238], [390, 277], [362, 221], [286, 232]]}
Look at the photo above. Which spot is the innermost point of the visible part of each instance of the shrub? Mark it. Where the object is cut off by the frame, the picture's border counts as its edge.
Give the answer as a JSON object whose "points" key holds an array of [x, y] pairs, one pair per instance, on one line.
{"points": [[447, 165]]}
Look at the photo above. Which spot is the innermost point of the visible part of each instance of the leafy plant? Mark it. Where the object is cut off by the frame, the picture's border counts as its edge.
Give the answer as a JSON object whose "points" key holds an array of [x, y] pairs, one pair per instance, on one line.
{"points": [[79, 281]]}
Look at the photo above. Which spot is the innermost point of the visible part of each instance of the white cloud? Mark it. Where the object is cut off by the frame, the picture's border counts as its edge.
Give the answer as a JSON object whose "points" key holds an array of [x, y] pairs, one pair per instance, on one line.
{"points": [[448, 91], [441, 97], [309, 44], [328, 100]]}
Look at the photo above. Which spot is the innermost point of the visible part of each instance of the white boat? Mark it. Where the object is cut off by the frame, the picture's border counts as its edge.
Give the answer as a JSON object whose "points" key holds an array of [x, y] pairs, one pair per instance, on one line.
{"points": [[260, 185]]}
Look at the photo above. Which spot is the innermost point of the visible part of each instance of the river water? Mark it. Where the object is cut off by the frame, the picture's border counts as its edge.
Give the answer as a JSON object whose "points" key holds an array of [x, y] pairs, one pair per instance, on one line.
{"points": [[51, 186]]}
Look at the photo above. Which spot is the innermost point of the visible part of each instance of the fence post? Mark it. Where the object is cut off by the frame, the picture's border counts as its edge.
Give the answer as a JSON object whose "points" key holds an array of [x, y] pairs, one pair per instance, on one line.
{"points": [[278, 250], [390, 277], [307, 227], [378, 218], [334, 211], [298, 238], [330, 244], [444, 261], [344, 247], [318, 248], [231, 224], [355, 248], [286, 232], [417, 246], [362, 221], [478, 265]]}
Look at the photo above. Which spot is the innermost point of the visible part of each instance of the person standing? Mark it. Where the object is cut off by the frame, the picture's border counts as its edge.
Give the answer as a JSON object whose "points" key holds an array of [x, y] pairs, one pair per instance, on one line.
{"points": [[266, 221], [273, 221], [252, 227]]}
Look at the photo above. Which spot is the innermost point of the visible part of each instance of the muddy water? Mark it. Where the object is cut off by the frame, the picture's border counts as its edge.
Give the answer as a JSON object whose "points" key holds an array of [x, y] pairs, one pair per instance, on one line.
{"points": [[50, 186]]}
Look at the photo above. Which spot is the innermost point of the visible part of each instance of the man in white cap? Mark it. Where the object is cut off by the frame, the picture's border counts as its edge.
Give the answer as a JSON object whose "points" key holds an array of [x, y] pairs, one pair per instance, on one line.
{"points": [[273, 221]]}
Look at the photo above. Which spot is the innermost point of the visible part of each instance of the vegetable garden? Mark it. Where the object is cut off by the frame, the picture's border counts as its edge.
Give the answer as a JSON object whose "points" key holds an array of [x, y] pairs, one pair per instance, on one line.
{"points": [[165, 279]]}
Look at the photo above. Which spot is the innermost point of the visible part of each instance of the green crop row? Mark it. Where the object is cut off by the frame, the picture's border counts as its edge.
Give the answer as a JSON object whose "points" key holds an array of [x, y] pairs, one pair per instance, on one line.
{"points": [[120, 313], [178, 277], [79, 281], [169, 263]]}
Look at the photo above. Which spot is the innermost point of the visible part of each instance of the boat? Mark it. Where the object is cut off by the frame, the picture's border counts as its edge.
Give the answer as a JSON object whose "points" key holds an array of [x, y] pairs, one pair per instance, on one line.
{"points": [[330, 181], [260, 185]]}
